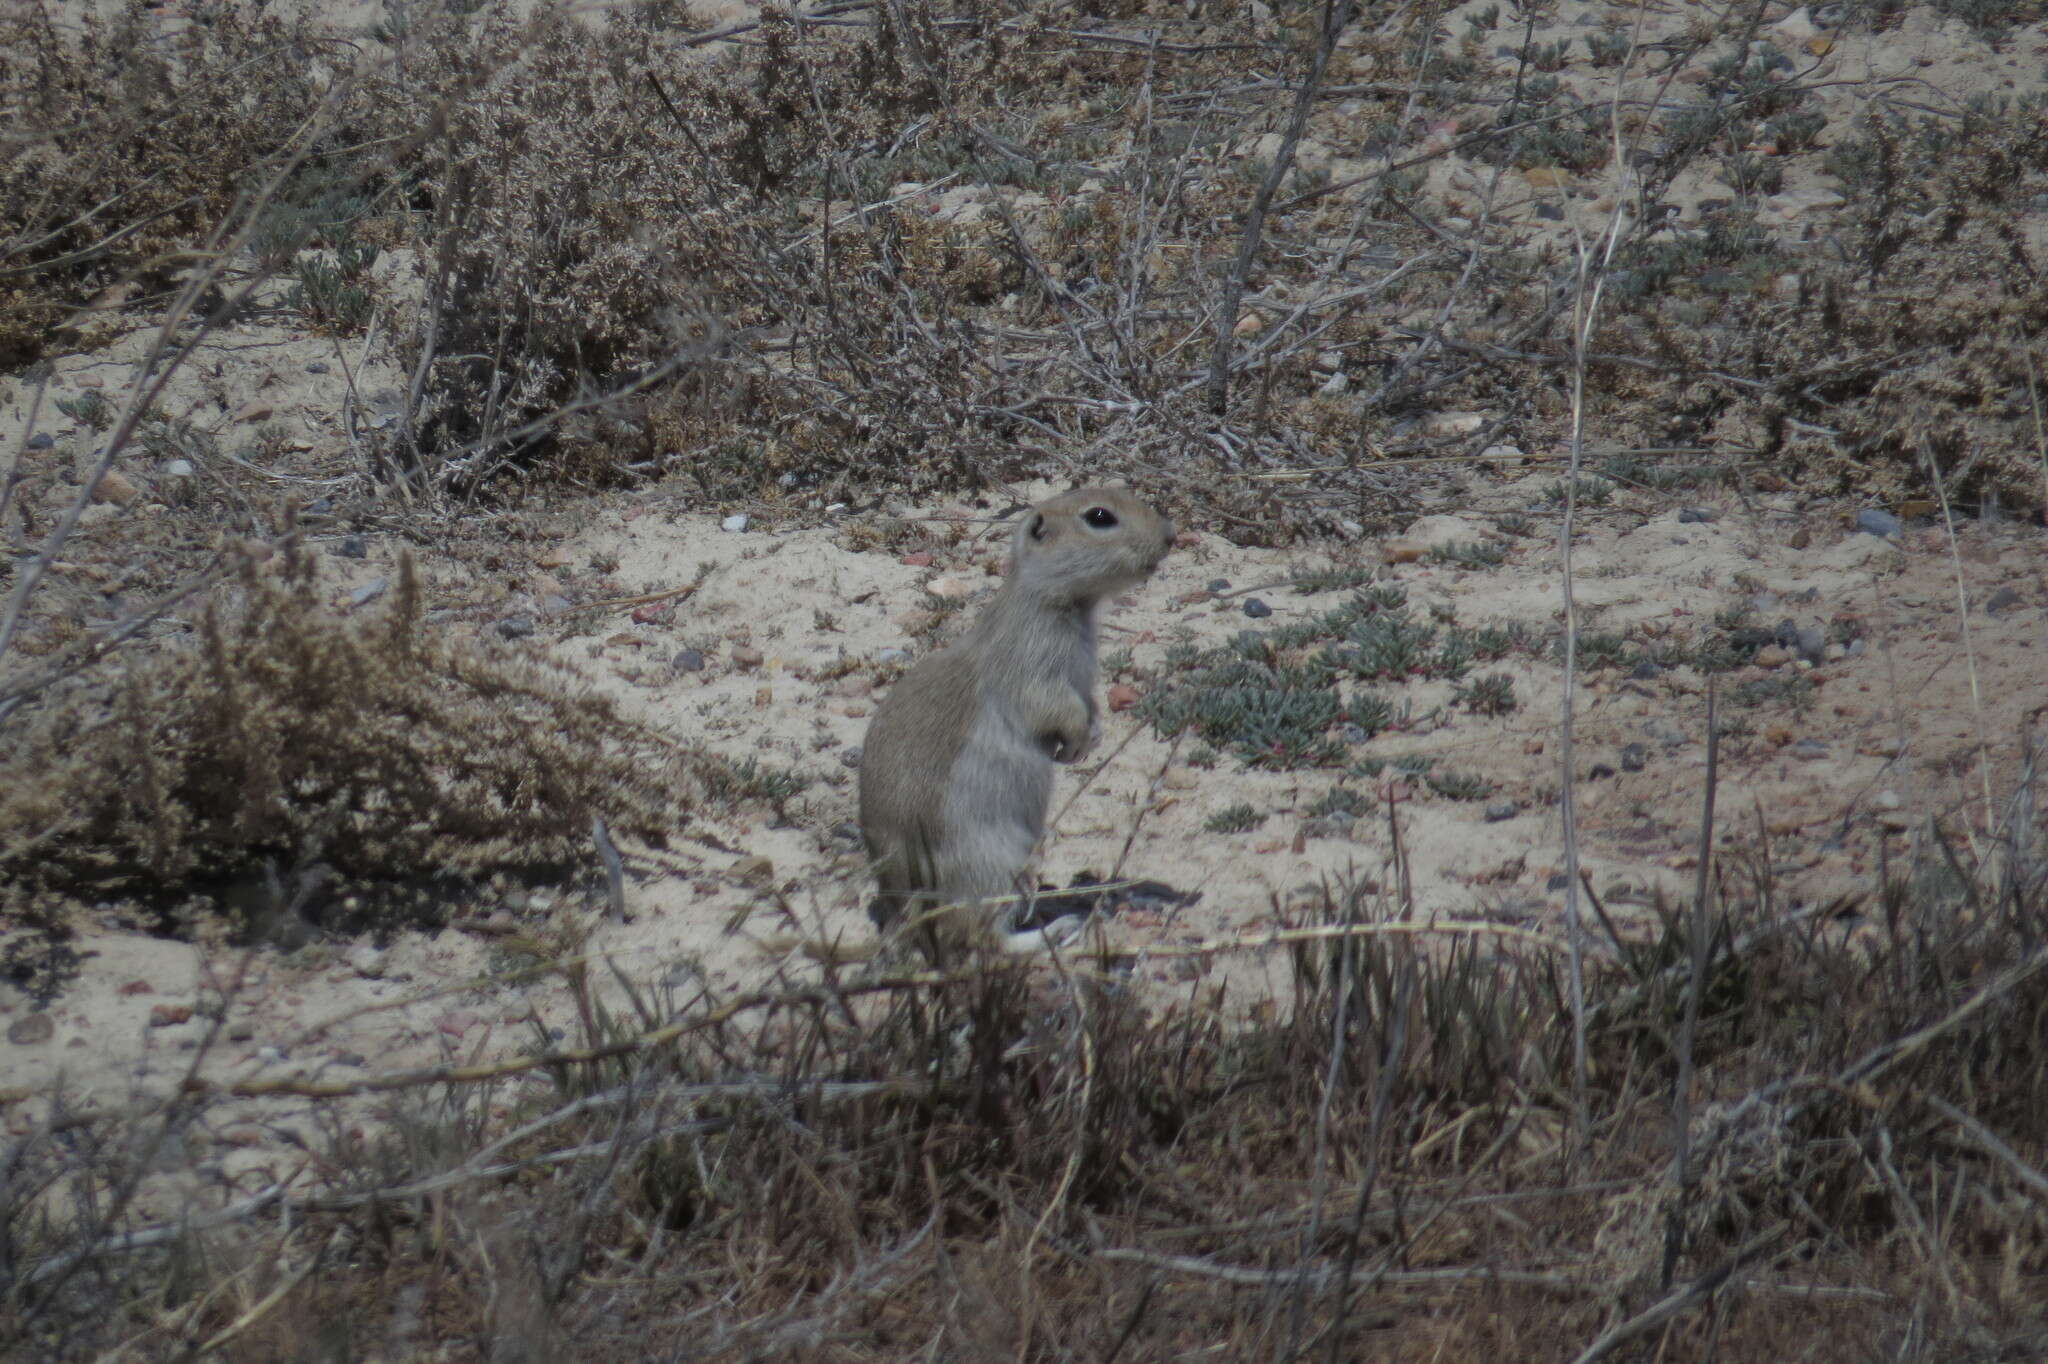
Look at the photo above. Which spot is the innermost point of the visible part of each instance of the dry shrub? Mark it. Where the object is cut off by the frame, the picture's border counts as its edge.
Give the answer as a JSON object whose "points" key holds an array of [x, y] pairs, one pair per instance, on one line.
{"points": [[610, 211], [289, 734], [1924, 346], [126, 145]]}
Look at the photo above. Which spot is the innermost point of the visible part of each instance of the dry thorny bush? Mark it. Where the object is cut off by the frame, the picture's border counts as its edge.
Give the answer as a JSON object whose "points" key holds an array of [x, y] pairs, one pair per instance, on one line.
{"points": [[1811, 1135], [372, 749], [638, 258]]}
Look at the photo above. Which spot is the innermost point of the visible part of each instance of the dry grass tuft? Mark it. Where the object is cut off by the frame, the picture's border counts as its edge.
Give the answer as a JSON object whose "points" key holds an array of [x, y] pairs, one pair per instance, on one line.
{"points": [[991, 1165]]}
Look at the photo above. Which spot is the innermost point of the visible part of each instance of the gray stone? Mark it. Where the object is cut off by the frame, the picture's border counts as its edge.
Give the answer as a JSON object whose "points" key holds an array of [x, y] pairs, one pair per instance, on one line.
{"points": [[353, 547], [31, 1031], [734, 524], [850, 756], [1813, 643], [2000, 600], [892, 655], [1500, 810], [1219, 584], [1806, 750], [1690, 516], [1634, 758], [516, 627], [41, 440], [1664, 732], [688, 661], [368, 592], [1871, 521], [1256, 609], [1329, 826]]}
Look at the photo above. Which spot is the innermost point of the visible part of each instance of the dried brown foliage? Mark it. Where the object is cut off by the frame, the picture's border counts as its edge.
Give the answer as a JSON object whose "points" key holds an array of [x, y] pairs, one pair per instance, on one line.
{"points": [[986, 1167], [288, 733], [126, 145]]}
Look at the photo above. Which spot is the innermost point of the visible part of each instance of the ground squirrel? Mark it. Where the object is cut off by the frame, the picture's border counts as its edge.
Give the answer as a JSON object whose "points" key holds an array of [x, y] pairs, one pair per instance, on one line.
{"points": [[956, 772]]}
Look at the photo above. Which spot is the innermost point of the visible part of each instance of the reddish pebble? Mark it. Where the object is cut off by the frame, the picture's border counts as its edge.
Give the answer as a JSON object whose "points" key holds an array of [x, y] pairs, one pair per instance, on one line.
{"points": [[169, 1015], [138, 987], [921, 559], [1123, 696]]}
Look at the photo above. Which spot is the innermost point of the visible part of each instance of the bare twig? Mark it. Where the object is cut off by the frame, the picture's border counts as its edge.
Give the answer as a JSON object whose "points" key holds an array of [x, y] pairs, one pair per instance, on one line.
{"points": [[1336, 15], [1680, 1300]]}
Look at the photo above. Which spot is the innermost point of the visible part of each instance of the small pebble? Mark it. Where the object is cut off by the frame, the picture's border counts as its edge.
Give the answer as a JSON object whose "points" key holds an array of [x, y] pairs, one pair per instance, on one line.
{"points": [[1690, 516], [850, 756], [892, 655], [1646, 671], [746, 657], [1665, 733], [1599, 772], [688, 661], [366, 960], [368, 592], [1329, 826], [1219, 584], [554, 604], [2000, 600], [734, 524], [317, 367], [1771, 656], [516, 627], [1874, 522], [1500, 810], [1256, 609], [1812, 643], [1834, 653], [1856, 648], [1888, 800], [320, 506], [177, 468], [1809, 749], [1748, 638], [1354, 734], [41, 440], [1634, 758], [354, 547], [29, 1031]]}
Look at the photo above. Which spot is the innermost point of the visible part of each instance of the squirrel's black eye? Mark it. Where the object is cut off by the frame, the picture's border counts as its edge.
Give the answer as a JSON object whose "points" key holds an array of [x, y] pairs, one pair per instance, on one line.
{"points": [[1102, 518]]}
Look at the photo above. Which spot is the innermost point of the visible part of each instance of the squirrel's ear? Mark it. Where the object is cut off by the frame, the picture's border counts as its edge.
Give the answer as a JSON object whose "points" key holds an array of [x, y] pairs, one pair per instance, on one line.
{"points": [[1036, 530]]}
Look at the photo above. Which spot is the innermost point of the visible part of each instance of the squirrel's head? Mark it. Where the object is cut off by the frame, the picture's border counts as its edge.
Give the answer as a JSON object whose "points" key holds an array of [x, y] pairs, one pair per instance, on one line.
{"points": [[1088, 544]]}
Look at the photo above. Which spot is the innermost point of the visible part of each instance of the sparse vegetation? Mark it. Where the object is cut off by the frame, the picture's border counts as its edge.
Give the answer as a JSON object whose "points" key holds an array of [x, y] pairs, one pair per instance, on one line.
{"points": [[1235, 819]]}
